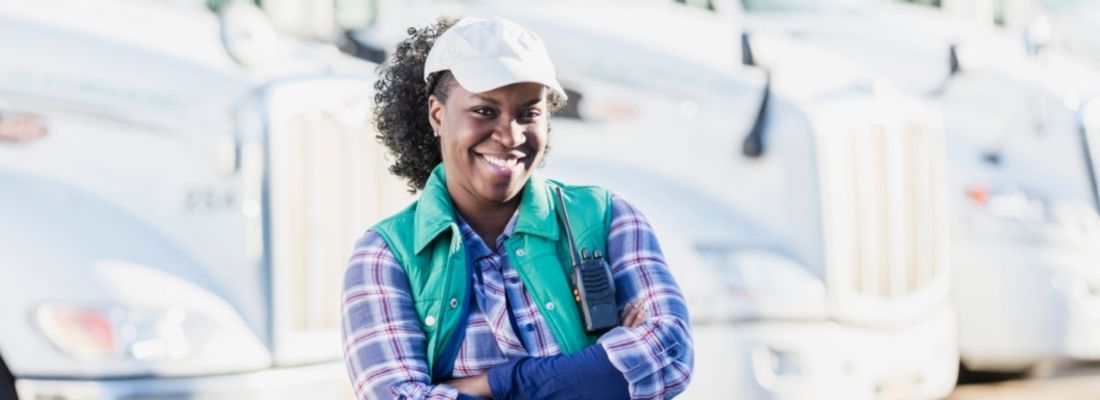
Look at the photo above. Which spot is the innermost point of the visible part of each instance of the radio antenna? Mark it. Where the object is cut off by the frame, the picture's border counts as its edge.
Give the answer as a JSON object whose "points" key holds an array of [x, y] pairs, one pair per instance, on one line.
{"points": [[564, 217]]}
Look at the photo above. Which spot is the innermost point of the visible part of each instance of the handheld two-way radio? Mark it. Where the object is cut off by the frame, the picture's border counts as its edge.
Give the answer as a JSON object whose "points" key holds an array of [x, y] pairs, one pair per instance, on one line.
{"points": [[592, 282]]}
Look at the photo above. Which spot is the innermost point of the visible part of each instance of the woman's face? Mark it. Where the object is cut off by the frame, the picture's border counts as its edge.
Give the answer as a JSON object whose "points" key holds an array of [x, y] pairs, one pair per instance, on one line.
{"points": [[491, 141]]}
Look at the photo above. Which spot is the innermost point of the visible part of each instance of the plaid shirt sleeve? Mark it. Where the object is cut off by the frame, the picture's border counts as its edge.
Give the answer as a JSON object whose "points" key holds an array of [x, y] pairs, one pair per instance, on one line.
{"points": [[384, 346], [656, 358]]}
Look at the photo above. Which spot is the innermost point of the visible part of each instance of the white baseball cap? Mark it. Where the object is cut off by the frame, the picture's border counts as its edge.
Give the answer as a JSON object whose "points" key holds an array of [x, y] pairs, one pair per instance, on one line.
{"points": [[485, 54]]}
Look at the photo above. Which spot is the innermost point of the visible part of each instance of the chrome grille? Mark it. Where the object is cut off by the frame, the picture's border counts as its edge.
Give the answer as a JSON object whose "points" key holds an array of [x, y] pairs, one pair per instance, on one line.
{"points": [[310, 229], [882, 191], [328, 183]]}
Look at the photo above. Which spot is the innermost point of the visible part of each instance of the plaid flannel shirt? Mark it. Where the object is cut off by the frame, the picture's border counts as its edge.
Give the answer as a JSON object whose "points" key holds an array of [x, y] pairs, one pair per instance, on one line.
{"points": [[384, 346]]}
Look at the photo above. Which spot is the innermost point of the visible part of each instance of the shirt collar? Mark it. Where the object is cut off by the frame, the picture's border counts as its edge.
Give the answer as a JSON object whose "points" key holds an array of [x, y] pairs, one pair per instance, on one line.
{"points": [[435, 212], [478, 247]]}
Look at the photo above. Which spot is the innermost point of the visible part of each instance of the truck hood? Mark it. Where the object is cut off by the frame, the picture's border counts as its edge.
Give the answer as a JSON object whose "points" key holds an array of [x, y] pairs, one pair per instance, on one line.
{"points": [[906, 48], [59, 245], [910, 46]]}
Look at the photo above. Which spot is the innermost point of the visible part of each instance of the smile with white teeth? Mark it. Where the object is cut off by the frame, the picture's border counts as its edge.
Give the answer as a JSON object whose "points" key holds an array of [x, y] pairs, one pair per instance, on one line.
{"points": [[503, 162]]}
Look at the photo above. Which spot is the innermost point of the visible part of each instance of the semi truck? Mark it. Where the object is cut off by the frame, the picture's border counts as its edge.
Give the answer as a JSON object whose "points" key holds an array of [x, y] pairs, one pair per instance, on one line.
{"points": [[803, 219], [803, 213], [180, 193], [1021, 163]]}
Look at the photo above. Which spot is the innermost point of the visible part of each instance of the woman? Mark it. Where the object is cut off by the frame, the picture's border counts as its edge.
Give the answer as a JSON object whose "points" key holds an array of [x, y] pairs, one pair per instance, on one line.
{"points": [[466, 292]]}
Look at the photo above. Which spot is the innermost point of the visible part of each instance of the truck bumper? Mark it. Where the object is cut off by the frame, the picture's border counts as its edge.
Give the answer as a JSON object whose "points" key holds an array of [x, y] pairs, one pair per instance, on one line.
{"points": [[320, 381], [824, 359], [1021, 303]]}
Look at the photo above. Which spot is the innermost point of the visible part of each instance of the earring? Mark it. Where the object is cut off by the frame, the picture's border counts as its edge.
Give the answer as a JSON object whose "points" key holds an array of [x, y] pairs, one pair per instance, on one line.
{"points": [[435, 133]]}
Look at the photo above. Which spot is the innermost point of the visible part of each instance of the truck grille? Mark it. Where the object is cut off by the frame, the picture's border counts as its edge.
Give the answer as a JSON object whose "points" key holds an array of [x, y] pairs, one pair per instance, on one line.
{"points": [[328, 183], [885, 219], [312, 233]]}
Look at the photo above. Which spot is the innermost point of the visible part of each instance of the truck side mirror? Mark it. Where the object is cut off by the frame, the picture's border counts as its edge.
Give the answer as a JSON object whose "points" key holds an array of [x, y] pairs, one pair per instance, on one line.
{"points": [[1037, 36], [247, 34], [353, 45], [572, 109]]}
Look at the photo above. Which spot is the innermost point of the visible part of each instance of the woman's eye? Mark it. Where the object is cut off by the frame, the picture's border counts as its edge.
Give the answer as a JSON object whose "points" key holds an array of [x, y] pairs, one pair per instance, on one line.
{"points": [[485, 112], [530, 114]]}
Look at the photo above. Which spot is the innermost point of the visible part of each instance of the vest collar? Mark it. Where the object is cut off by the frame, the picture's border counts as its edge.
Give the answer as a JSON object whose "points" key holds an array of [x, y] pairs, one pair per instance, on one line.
{"points": [[536, 210], [435, 211]]}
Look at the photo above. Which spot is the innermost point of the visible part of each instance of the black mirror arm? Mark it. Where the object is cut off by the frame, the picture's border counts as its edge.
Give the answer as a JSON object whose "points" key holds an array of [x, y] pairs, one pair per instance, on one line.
{"points": [[954, 68], [753, 146], [1090, 163], [746, 50]]}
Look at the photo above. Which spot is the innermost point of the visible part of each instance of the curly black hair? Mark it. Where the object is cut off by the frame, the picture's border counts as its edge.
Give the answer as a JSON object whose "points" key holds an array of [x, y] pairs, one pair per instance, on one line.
{"points": [[401, 104]]}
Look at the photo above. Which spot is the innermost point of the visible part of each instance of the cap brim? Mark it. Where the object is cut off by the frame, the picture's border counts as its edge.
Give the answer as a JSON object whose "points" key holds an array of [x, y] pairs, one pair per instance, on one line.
{"points": [[480, 76]]}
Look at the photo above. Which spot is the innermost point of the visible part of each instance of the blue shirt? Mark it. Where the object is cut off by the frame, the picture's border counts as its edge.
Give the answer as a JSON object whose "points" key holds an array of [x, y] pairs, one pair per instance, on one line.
{"points": [[385, 348]]}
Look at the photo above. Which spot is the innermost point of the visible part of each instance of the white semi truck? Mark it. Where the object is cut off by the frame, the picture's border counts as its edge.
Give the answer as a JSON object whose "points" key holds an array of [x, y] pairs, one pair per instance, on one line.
{"points": [[805, 219], [1021, 157], [176, 218], [196, 250]]}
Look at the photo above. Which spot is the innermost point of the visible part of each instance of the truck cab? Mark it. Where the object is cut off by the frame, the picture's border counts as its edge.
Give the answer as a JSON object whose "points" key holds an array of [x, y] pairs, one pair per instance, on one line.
{"points": [[1021, 164], [804, 219], [181, 190]]}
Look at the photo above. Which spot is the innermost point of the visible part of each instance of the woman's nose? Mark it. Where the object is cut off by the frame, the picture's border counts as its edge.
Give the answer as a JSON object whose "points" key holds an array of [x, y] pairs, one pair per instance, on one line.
{"points": [[510, 133]]}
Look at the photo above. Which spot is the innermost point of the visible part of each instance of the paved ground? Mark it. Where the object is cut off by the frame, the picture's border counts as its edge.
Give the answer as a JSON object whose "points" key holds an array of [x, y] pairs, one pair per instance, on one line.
{"points": [[1064, 383]]}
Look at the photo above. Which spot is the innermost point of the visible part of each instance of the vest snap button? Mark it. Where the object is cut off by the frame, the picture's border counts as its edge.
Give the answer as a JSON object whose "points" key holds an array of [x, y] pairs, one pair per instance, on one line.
{"points": [[430, 321], [520, 252], [454, 303], [550, 306]]}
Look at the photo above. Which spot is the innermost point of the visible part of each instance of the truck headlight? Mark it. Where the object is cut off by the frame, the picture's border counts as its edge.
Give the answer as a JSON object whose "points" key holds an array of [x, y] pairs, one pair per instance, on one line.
{"points": [[144, 320], [104, 332], [1009, 202], [771, 365], [766, 284]]}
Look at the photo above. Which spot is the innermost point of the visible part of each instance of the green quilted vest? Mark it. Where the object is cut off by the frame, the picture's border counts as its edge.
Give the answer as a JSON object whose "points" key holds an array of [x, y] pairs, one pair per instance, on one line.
{"points": [[425, 239]]}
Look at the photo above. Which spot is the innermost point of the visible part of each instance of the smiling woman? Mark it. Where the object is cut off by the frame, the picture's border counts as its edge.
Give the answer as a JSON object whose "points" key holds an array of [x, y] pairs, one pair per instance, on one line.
{"points": [[402, 98], [467, 292], [494, 139]]}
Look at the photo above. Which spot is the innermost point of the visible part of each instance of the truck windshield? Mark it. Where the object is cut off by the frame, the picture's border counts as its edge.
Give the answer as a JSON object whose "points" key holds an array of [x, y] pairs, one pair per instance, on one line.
{"points": [[804, 5], [1066, 6]]}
